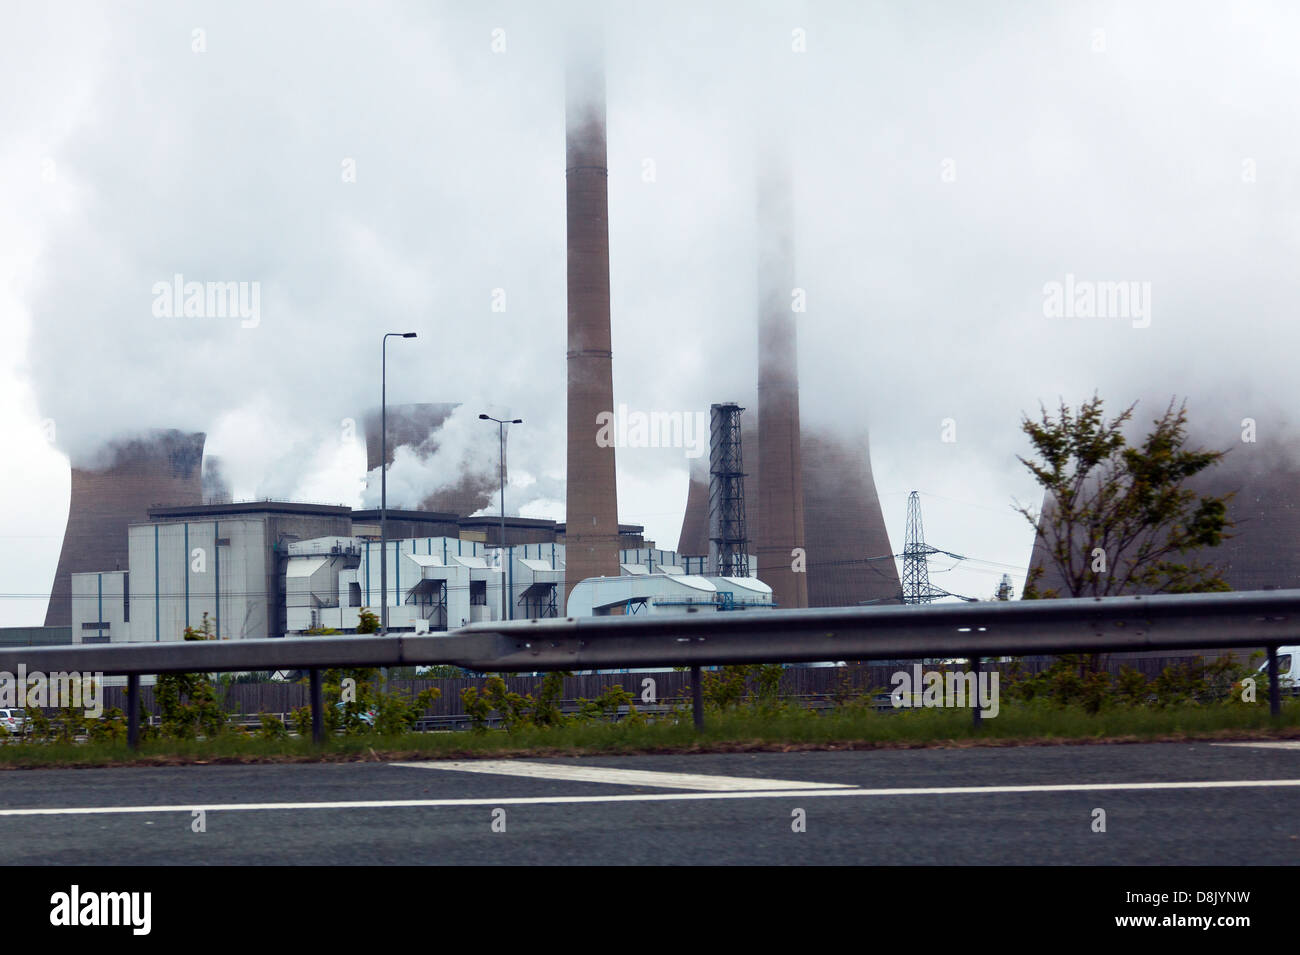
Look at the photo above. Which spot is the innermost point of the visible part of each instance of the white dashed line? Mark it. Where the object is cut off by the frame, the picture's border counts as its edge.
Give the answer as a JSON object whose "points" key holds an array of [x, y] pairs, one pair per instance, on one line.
{"points": [[620, 777]]}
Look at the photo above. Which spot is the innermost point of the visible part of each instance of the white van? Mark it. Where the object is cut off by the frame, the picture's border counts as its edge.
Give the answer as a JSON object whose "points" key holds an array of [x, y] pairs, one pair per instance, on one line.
{"points": [[1287, 672]]}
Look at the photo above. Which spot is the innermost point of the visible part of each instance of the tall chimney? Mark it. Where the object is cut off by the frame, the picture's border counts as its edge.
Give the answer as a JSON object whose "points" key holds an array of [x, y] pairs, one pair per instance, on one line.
{"points": [[591, 521], [780, 528]]}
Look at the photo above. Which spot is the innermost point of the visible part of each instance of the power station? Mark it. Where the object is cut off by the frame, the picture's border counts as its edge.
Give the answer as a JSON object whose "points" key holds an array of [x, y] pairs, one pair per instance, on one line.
{"points": [[155, 543]]}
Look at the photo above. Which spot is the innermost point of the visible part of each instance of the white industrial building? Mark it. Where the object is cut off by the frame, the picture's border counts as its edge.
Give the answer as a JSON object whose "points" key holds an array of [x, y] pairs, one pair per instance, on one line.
{"points": [[281, 569], [442, 583]]}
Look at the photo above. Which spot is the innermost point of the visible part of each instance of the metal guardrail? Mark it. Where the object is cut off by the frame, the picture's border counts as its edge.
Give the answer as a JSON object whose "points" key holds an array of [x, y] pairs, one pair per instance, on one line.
{"points": [[1110, 624]]}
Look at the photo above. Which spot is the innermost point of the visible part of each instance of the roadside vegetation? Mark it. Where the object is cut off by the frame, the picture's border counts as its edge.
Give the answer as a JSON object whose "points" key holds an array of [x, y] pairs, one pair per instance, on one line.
{"points": [[744, 710]]}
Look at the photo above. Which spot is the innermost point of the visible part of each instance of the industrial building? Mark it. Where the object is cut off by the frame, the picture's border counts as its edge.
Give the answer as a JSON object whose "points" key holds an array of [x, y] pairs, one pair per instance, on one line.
{"points": [[271, 568], [441, 583]]}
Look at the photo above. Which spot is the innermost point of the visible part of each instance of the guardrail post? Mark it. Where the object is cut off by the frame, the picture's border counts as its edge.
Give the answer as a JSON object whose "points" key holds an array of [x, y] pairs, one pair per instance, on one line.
{"points": [[133, 711], [1274, 690], [317, 709], [697, 698], [975, 706]]}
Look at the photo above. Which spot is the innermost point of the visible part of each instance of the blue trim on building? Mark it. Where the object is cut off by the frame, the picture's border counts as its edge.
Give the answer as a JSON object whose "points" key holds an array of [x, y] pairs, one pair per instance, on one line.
{"points": [[216, 563], [157, 623]]}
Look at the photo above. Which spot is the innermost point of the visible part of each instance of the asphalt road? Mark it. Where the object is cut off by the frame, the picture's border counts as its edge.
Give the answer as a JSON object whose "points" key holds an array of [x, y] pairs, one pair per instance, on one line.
{"points": [[146, 815]]}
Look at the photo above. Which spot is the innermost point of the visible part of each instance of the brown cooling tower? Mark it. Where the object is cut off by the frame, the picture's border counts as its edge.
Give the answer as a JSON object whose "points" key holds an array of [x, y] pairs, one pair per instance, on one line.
{"points": [[844, 525], [117, 486], [779, 529], [416, 426], [591, 520], [1263, 551], [843, 521], [693, 540]]}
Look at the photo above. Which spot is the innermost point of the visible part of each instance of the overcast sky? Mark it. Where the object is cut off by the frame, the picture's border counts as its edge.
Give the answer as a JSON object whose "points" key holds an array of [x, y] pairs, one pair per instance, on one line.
{"points": [[950, 160]]}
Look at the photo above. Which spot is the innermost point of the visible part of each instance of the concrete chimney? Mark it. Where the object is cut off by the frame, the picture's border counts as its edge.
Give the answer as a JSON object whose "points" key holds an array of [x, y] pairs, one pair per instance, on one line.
{"points": [[780, 526], [591, 521]]}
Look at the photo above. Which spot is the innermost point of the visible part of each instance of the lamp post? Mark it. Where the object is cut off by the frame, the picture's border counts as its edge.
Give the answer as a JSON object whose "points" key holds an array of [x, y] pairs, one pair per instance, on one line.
{"points": [[383, 481], [501, 436]]}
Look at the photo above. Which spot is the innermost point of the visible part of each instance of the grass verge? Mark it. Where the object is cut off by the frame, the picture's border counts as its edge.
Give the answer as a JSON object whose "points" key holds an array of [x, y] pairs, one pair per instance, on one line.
{"points": [[733, 731]]}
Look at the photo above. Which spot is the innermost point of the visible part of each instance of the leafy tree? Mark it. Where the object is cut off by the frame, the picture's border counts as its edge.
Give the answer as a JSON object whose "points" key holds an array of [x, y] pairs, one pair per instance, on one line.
{"points": [[1119, 518], [186, 701]]}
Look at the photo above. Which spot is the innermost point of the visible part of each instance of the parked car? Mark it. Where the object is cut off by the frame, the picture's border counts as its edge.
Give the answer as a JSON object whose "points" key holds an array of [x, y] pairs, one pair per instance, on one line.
{"points": [[13, 721], [366, 716]]}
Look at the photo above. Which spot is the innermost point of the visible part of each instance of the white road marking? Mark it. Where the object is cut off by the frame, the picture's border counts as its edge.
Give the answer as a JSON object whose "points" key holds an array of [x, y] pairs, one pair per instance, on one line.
{"points": [[1290, 744], [646, 797], [619, 777]]}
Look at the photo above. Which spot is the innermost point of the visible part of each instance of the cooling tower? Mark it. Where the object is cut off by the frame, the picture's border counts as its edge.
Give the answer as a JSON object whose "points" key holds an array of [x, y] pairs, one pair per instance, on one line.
{"points": [[591, 520], [779, 530], [113, 488], [216, 490], [694, 536], [844, 525], [416, 426], [1263, 550], [843, 521]]}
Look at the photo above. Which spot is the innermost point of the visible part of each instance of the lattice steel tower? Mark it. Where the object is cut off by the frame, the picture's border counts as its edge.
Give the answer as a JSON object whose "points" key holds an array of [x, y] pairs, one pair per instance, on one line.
{"points": [[916, 554], [728, 535]]}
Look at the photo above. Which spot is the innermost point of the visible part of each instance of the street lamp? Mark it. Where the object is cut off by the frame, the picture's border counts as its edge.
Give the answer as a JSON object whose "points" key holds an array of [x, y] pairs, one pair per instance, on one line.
{"points": [[501, 435], [383, 481]]}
